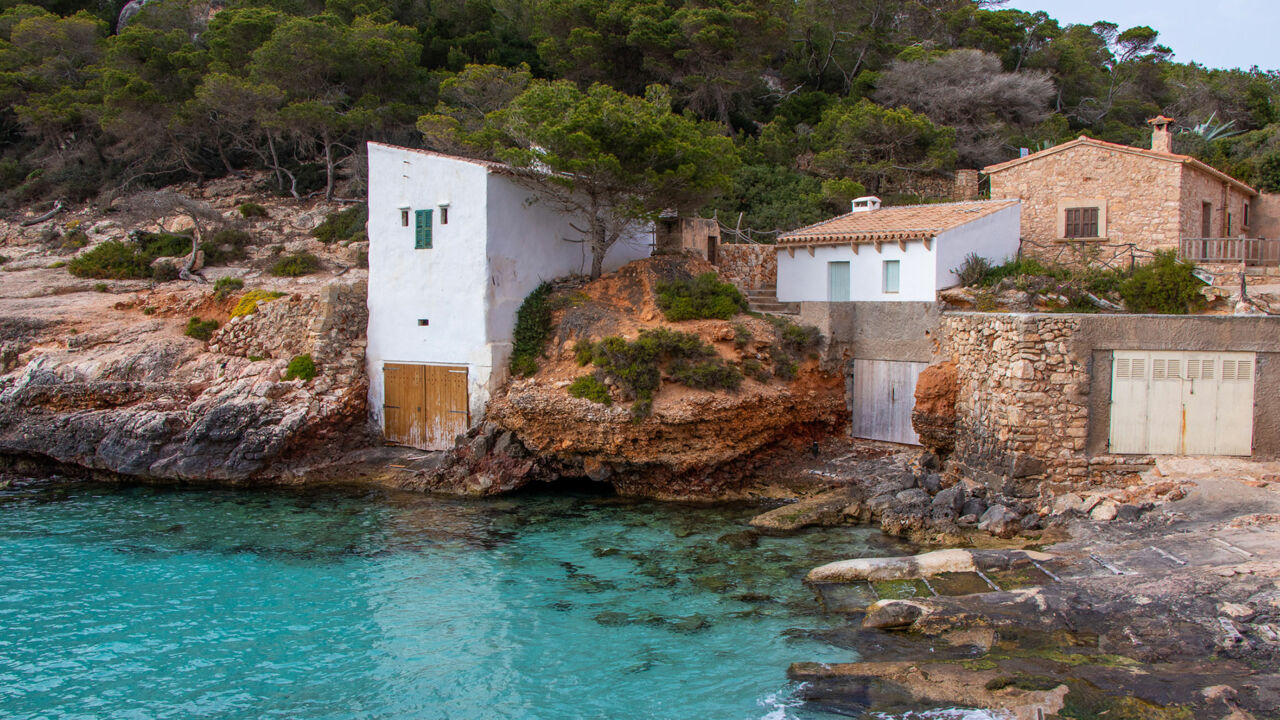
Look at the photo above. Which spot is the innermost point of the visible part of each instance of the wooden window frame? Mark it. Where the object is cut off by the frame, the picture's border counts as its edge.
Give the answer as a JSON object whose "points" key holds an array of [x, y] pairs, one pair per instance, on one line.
{"points": [[1075, 235], [1082, 222], [422, 229], [897, 279]]}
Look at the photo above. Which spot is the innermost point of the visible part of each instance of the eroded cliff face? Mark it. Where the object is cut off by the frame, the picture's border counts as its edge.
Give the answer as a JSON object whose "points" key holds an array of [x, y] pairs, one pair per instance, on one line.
{"points": [[695, 443], [99, 374]]}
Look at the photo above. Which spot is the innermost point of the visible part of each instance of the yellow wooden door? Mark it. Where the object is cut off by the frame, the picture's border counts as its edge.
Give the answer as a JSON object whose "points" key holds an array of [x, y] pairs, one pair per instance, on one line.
{"points": [[425, 406]]}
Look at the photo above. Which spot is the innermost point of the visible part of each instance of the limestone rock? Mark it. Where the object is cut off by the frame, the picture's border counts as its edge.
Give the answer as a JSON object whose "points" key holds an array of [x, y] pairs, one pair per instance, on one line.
{"points": [[934, 415], [892, 614], [1000, 521]]}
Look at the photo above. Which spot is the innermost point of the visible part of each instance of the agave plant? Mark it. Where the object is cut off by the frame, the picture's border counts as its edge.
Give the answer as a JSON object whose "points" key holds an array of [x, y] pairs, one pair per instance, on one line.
{"points": [[1210, 131]]}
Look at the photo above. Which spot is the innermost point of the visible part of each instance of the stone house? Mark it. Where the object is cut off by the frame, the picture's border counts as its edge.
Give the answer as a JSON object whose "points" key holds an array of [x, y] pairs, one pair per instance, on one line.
{"points": [[455, 246], [1089, 192]]}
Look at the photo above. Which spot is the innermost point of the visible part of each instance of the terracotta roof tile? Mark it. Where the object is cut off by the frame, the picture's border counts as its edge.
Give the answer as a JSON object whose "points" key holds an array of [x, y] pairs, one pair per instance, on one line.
{"points": [[891, 224]]}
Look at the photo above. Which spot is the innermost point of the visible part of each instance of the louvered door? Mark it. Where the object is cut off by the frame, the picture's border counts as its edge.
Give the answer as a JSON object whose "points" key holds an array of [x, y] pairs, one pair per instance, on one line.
{"points": [[1182, 403]]}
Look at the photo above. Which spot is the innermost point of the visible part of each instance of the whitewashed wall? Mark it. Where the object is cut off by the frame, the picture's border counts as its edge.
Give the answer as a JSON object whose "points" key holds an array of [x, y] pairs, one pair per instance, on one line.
{"points": [[804, 278], [922, 271], [994, 237], [499, 244]]}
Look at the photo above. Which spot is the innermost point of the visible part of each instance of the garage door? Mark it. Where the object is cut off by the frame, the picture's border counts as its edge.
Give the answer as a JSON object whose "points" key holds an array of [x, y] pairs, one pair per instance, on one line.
{"points": [[1182, 403], [425, 406], [884, 394]]}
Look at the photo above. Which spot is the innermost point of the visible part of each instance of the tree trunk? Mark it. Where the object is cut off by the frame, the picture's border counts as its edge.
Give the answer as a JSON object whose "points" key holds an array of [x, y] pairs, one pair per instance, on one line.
{"points": [[599, 246], [328, 168]]}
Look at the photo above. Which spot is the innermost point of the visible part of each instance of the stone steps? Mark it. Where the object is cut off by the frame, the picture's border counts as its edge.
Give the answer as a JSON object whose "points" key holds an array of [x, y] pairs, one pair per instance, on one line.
{"points": [[764, 299]]}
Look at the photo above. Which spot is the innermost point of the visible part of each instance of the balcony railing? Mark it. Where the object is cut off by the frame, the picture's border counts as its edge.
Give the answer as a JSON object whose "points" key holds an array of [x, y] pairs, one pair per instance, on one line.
{"points": [[1250, 251]]}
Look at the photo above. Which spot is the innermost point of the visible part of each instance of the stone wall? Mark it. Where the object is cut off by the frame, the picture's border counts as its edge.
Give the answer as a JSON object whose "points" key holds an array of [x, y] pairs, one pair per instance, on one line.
{"points": [[1141, 195], [750, 267], [330, 326], [1033, 391], [906, 331], [1227, 201]]}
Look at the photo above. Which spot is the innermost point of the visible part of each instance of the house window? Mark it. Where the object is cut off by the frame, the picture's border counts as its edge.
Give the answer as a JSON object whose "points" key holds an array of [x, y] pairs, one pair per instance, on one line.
{"points": [[891, 270], [1082, 222], [422, 230], [1206, 220], [1228, 224], [404, 217], [1246, 214], [444, 214]]}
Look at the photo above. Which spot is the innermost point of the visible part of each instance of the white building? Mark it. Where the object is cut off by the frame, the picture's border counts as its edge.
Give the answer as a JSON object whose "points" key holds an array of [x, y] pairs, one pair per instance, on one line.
{"points": [[905, 253], [455, 245]]}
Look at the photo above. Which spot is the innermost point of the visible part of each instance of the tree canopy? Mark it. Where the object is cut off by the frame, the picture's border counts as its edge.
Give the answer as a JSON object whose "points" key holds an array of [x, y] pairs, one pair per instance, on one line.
{"points": [[818, 97]]}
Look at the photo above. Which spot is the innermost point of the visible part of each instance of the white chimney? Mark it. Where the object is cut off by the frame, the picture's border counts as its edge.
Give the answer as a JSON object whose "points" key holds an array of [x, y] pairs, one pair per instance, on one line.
{"points": [[1161, 138], [866, 203]]}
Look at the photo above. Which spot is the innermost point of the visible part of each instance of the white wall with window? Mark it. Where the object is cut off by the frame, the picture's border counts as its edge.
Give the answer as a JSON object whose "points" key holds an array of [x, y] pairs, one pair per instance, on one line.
{"points": [[911, 272]]}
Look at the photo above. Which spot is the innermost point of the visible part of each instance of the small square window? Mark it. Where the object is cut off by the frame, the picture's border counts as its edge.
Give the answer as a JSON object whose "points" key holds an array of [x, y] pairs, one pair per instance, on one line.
{"points": [[404, 217], [891, 272]]}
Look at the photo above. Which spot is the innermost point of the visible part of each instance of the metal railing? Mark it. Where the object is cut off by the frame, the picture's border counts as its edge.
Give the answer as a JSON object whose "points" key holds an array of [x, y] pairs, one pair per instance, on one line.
{"points": [[1250, 251]]}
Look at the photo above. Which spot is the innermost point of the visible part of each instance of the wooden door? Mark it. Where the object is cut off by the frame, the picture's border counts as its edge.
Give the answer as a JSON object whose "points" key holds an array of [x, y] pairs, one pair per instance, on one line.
{"points": [[425, 406], [1182, 403], [883, 397]]}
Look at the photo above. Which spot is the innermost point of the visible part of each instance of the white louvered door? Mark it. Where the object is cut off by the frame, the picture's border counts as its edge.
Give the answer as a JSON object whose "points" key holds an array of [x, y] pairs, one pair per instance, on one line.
{"points": [[1182, 403]]}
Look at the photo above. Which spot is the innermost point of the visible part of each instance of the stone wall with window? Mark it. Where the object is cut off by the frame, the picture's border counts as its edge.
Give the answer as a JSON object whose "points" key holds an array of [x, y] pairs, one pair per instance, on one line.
{"points": [[1224, 201], [1138, 198]]}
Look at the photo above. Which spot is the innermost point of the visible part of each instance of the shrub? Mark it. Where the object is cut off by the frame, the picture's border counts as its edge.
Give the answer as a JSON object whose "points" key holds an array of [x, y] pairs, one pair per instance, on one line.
{"points": [[226, 245], [742, 336], [533, 327], [637, 365], [164, 244], [590, 387], [200, 329], [972, 271], [101, 287], [1165, 286], [225, 286], [252, 210], [4, 259], [703, 297], [752, 367], [166, 271], [112, 260], [248, 303], [301, 367], [799, 339], [73, 241], [1019, 267], [296, 265], [348, 224]]}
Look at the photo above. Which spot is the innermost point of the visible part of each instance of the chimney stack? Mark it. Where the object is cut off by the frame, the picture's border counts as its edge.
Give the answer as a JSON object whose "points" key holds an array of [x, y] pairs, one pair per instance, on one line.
{"points": [[1161, 137], [866, 203]]}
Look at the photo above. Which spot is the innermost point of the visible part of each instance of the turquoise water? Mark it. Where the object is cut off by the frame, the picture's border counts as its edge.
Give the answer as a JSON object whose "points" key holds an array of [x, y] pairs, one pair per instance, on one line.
{"points": [[148, 603]]}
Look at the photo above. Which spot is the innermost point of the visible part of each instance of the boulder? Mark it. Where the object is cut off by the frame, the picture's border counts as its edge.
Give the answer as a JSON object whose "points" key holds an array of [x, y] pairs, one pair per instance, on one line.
{"points": [[823, 509], [1000, 521], [892, 614]]}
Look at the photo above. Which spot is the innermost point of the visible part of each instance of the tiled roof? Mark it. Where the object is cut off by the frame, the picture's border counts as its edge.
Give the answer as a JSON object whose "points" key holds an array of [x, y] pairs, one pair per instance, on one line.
{"points": [[1154, 154], [893, 224]]}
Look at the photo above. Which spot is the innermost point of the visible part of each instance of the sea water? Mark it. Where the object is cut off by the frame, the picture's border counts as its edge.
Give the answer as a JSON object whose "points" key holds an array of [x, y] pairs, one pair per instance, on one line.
{"points": [[153, 603]]}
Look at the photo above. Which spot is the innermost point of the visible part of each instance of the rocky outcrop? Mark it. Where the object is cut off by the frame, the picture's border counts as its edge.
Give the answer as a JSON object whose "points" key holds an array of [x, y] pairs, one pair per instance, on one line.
{"points": [[934, 415], [143, 401]]}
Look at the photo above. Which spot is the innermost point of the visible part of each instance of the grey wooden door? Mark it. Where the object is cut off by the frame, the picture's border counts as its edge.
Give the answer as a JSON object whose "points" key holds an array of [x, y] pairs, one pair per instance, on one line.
{"points": [[883, 398]]}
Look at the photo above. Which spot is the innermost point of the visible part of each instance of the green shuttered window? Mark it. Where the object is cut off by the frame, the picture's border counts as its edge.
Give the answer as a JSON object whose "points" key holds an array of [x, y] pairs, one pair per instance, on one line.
{"points": [[422, 229]]}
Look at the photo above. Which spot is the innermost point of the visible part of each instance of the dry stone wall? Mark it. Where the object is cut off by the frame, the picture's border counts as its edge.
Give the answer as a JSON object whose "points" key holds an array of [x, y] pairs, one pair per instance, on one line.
{"points": [[750, 267], [1022, 411], [330, 326]]}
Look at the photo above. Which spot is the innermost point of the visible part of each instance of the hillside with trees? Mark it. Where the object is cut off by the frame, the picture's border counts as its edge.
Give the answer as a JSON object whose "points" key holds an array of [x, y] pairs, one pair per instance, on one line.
{"points": [[803, 104]]}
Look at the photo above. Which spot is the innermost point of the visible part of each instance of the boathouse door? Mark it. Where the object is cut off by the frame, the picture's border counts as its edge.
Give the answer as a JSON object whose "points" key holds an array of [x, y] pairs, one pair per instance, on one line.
{"points": [[1182, 403], [424, 406], [884, 394]]}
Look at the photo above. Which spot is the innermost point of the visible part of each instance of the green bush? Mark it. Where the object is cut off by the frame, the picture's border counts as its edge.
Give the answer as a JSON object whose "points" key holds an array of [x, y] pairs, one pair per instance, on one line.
{"points": [[248, 303], [301, 367], [752, 367], [637, 365], [296, 265], [165, 272], [533, 327], [200, 329], [972, 271], [226, 245], [1165, 286], [799, 339], [101, 287], [590, 387], [346, 224], [4, 259], [164, 244], [742, 336], [73, 241], [703, 297], [1019, 267], [225, 286], [252, 210], [112, 260]]}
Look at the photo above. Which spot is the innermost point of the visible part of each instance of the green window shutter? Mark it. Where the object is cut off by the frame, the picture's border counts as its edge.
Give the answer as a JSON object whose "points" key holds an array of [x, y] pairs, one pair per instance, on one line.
{"points": [[422, 229]]}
